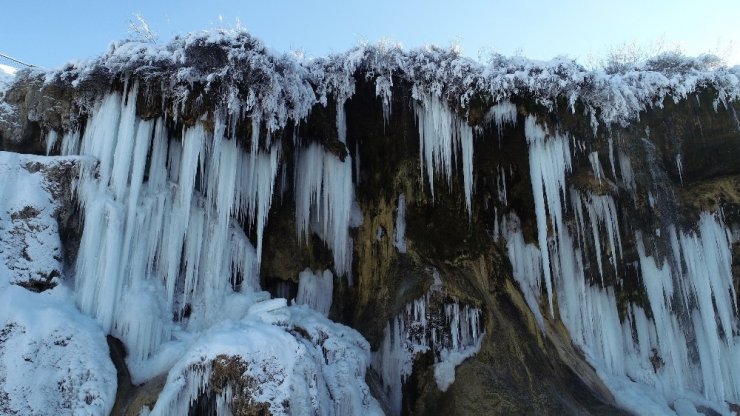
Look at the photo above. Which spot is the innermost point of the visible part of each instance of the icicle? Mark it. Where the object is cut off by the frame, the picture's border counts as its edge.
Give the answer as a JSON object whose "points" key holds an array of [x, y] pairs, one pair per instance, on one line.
{"points": [[324, 193], [501, 185], [527, 266], [70, 143], [611, 158], [51, 140], [593, 157], [549, 160], [679, 166], [124, 145], [341, 122], [315, 290], [628, 176], [399, 233], [503, 113], [466, 142], [384, 90], [440, 135], [454, 333]]}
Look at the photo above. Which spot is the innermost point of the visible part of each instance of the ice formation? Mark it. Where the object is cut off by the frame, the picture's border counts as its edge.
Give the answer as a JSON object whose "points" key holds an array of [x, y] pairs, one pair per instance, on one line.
{"points": [[291, 374], [441, 136], [690, 292], [452, 332], [593, 157], [325, 199], [158, 212], [526, 265], [502, 114], [399, 232], [316, 290], [160, 207], [168, 222], [549, 161]]}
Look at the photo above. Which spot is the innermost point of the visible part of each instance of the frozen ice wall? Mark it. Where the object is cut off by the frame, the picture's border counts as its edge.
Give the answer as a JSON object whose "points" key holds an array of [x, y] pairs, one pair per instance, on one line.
{"points": [[165, 237], [684, 350]]}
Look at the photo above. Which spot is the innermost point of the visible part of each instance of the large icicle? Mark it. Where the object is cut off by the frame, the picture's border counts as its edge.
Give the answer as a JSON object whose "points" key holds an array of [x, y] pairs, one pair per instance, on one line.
{"points": [[527, 265], [441, 135], [325, 197], [549, 161]]}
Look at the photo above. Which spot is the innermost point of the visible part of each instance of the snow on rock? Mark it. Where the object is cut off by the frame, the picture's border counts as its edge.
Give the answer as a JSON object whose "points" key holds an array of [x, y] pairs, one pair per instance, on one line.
{"points": [[53, 359], [30, 247], [277, 87], [285, 360]]}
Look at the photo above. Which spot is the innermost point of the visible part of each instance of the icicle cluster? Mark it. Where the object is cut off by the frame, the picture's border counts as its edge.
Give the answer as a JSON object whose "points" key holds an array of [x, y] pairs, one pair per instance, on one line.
{"points": [[685, 355], [453, 332], [441, 136], [159, 212], [325, 202], [502, 114], [549, 161]]}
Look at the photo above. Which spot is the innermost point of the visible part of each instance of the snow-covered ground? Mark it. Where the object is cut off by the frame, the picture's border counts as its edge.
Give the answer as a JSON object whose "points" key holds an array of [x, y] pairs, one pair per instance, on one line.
{"points": [[53, 359]]}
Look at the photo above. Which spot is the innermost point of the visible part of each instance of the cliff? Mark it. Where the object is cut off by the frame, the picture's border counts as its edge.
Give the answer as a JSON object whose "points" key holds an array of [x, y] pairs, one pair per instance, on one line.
{"points": [[407, 232]]}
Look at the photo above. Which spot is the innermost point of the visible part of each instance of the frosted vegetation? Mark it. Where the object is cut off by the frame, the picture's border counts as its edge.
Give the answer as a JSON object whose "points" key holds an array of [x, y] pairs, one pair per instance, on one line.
{"points": [[165, 215], [249, 79]]}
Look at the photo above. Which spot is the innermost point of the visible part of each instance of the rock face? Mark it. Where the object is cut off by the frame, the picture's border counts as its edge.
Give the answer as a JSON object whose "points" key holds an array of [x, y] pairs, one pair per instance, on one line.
{"points": [[516, 238]]}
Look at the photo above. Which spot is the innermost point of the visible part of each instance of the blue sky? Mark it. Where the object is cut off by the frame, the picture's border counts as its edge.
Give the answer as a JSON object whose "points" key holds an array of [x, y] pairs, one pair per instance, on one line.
{"points": [[50, 33]]}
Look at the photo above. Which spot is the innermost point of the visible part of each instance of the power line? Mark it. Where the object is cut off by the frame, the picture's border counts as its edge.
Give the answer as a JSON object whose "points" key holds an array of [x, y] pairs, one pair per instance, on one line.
{"points": [[16, 61]]}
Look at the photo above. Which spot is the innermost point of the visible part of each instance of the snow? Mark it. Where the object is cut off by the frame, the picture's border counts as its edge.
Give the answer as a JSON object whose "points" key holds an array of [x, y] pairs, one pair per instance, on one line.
{"points": [[297, 362], [276, 88], [158, 215], [53, 359], [160, 207], [31, 248], [7, 70]]}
